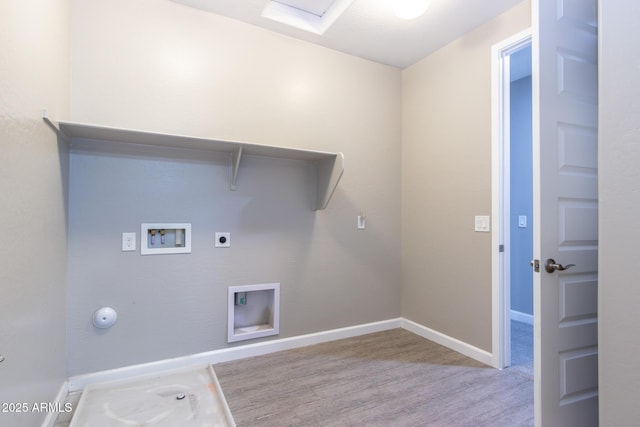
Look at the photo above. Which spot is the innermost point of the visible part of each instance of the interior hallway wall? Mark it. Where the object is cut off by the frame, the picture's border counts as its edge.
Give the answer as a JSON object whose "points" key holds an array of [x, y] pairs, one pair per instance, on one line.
{"points": [[619, 209], [160, 66], [446, 181], [34, 74]]}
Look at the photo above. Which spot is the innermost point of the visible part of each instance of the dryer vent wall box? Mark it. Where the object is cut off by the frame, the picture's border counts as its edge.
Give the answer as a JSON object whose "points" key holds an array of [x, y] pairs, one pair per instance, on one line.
{"points": [[165, 238], [253, 311]]}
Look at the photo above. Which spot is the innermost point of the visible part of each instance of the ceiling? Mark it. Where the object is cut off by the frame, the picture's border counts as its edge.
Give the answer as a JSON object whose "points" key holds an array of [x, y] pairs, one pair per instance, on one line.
{"points": [[370, 29]]}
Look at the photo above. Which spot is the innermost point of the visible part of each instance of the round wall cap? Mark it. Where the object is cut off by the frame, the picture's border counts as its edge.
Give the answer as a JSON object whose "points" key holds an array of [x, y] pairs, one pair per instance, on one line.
{"points": [[104, 317]]}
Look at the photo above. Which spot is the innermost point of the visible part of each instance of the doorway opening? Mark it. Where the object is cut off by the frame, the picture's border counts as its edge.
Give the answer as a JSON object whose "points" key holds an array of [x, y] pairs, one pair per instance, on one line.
{"points": [[512, 210], [520, 202]]}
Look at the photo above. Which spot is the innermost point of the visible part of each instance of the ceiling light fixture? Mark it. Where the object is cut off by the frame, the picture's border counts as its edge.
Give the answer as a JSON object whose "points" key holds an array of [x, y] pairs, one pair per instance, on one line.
{"points": [[409, 9]]}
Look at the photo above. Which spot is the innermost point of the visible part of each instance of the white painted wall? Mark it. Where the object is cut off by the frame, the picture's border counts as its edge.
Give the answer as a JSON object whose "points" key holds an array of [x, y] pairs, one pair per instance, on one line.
{"points": [[446, 181], [619, 177], [165, 67], [34, 74]]}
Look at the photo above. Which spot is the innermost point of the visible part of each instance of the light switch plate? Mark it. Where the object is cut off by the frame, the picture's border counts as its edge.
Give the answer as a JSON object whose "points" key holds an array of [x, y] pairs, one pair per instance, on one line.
{"points": [[128, 242], [522, 221], [482, 223]]}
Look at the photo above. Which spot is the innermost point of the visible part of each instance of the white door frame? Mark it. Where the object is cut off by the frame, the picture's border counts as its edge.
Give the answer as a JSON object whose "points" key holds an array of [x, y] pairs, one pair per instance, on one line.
{"points": [[500, 186]]}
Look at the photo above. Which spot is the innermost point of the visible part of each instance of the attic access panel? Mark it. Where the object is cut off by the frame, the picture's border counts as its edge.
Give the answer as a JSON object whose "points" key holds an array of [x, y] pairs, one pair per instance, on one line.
{"points": [[315, 16], [315, 7]]}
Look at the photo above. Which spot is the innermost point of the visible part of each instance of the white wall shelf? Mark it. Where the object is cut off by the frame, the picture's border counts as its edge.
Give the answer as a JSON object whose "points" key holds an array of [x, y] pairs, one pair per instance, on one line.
{"points": [[329, 166]]}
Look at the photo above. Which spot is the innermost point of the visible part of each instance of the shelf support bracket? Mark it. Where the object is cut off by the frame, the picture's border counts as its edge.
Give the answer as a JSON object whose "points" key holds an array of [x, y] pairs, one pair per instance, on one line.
{"points": [[329, 172], [235, 164], [54, 125]]}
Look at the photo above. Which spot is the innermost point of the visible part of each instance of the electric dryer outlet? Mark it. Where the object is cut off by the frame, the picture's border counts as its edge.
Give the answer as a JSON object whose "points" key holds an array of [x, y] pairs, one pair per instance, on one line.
{"points": [[223, 240]]}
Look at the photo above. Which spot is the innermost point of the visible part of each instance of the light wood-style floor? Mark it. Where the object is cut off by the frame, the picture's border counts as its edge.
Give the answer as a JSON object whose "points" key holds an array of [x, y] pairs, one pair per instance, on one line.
{"points": [[391, 378], [522, 348]]}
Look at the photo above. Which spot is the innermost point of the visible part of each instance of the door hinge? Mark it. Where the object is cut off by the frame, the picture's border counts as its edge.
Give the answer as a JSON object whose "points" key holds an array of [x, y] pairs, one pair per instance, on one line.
{"points": [[535, 263], [501, 248]]}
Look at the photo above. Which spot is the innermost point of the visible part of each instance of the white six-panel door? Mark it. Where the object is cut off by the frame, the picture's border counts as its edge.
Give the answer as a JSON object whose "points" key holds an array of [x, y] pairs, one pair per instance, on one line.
{"points": [[565, 211]]}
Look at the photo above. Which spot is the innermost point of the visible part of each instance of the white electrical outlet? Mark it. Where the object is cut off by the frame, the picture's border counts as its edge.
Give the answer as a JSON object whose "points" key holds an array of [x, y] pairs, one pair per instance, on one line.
{"points": [[223, 240], [128, 242], [362, 222]]}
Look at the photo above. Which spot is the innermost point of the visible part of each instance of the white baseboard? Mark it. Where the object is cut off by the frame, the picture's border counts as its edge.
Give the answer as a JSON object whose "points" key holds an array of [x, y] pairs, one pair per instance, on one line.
{"points": [[58, 401], [79, 382], [522, 317], [447, 341]]}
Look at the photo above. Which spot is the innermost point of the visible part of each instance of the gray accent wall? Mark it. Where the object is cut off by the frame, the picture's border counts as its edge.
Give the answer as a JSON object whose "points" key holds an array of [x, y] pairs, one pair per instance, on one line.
{"points": [[521, 182], [446, 181], [619, 178], [193, 73], [34, 74]]}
